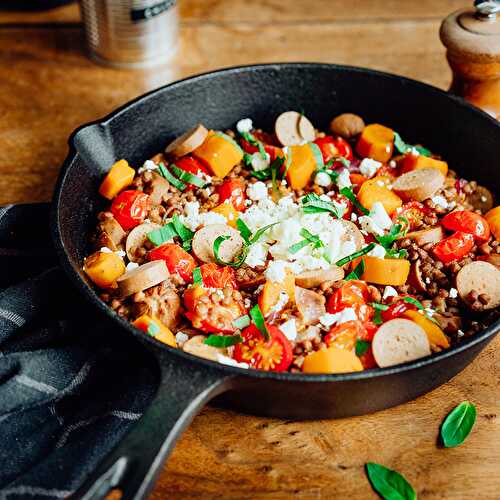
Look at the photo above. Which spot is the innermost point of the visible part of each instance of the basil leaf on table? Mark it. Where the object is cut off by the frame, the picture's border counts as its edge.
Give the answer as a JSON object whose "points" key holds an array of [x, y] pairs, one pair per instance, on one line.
{"points": [[458, 424], [388, 483]]}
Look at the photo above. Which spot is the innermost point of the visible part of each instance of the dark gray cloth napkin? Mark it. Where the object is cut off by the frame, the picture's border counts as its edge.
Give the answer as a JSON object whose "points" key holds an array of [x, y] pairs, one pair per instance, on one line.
{"points": [[71, 384]]}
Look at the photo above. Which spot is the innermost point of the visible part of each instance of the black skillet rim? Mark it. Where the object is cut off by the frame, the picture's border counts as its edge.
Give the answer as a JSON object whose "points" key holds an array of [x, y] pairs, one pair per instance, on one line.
{"points": [[91, 295]]}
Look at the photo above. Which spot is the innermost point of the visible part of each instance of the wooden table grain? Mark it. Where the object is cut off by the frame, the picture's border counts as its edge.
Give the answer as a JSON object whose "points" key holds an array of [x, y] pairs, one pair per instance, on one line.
{"points": [[48, 87]]}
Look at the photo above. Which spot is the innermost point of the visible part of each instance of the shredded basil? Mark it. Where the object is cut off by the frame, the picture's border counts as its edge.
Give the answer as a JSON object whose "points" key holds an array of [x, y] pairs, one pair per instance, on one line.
{"points": [[388, 483], [240, 259], [162, 235], [153, 329], [254, 142], [313, 204], [458, 424], [309, 239], [258, 234], [171, 178], [355, 255], [357, 272], [413, 301], [379, 307], [247, 159], [402, 147], [396, 232], [244, 230], [362, 347], [377, 317], [222, 341], [188, 176], [241, 322], [349, 194], [185, 234], [197, 277], [259, 321], [318, 156]]}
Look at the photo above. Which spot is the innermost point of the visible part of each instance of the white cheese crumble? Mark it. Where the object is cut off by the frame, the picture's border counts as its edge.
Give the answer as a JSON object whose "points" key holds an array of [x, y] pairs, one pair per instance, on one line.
{"points": [[131, 266], [377, 251], [328, 319], [453, 293], [257, 255], [289, 329], [440, 201], [257, 191], [369, 167], [460, 333], [343, 180], [282, 302], [260, 163], [354, 217], [276, 271], [230, 361], [192, 218], [244, 125], [121, 253], [376, 221], [149, 165], [322, 179], [106, 250], [428, 280], [181, 338], [389, 291]]}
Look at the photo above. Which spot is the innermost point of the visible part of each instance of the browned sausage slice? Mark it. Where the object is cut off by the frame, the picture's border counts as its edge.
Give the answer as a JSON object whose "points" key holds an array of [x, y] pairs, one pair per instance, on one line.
{"points": [[204, 238], [347, 125], [482, 278], [142, 277], [481, 199], [419, 184], [311, 305], [136, 239], [415, 277], [290, 126], [187, 142], [112, 234], [398, 341], [312, 279], [430, 235]]}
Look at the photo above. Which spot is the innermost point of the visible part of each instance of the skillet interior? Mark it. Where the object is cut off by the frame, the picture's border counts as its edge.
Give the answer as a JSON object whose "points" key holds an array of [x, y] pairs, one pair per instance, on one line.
{"points": [[466, 137]]}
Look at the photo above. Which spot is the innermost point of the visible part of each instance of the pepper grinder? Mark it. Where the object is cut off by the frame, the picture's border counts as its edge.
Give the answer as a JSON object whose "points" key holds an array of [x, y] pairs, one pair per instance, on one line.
{"points": [[472, 39]]}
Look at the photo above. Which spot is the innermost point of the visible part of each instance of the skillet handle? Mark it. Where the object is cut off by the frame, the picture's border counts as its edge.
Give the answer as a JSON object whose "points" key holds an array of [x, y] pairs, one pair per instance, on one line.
{"points": [[136, 461]]}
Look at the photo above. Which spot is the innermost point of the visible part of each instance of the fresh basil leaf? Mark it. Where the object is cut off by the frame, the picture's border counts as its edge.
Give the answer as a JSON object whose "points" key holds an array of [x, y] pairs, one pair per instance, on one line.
{"points": [[153, 329], [357, 272], [458, 424], [162, 235], [171, 178], [361, 347], [259, 321], [423, 151], [395, 232], [349, 194], [309, 239], [254, 142], [185, 234], [402, 147], [244, 230], [355, 255], [298, 246], [223, 340], [188, 176], [247, 159], [379, 307], [388, 483], [238, 262], [377, 317], [397, 254], [258, 234], [262, 175], [413, 301], [197, 277], [312, 204], [241, 322]]}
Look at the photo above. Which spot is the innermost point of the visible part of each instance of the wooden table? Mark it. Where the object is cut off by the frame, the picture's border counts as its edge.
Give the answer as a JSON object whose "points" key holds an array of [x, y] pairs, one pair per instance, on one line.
{"points": [[48, 88]]}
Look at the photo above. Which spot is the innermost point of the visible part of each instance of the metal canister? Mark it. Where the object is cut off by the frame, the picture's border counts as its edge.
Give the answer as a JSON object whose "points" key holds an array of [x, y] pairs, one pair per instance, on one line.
{"points": [[131, 33]]}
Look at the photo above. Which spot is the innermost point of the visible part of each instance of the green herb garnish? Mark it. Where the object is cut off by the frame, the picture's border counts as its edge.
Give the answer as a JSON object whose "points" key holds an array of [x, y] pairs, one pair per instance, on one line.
{"points": [[241, 322], [188, 176], [185, 234], [244, 230], [254, 142], [171, 178], [355, 255], [357, 272], [309, 239], [162, 235], [153, 329], [313, 204], [458, 424], [395, 233], [197, 277], [259, 321], [222, 341], [318, 156], [403, 148], [349, 194], [361, 347], [388, 483], [377, 317]]}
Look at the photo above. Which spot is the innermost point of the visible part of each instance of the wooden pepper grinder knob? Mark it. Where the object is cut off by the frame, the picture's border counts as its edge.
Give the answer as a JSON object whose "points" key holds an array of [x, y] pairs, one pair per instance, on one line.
{"points": [[472, 39]]}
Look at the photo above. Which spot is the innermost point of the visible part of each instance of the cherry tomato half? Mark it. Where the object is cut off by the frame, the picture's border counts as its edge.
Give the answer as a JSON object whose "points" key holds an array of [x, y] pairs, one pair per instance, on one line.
{"points": [[217, 277], [467, 222], [414, 212], [267, 140], [340, 198], [191, 165], [352, 292], [177, 259], [130, 208], [273, 355], [397, 309], [327, 147], [233, 190], [455, 247]]}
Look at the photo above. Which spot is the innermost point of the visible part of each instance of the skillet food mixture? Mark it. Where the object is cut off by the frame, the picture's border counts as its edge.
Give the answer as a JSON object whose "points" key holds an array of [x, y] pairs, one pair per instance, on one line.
{"points": [[298, 250]]}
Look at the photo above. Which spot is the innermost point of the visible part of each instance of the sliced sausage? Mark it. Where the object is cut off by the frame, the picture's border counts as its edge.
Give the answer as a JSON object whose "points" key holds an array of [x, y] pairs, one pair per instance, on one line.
{"points": [[419, 184], [311, 305], [187, 142], [398, 341], [312, 279], [204, 238], [449, 324], [142, 277], [111, 234], [352, 233], [195, 345], [290, 126], [415, 277], [481, 199], [478, 285], [430, 235], [136, 239], [347, 125]]}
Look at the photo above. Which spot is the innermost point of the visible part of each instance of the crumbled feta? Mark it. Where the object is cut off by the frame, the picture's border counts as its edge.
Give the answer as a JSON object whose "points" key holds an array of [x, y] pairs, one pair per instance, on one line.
{"points": [[289, 329], [106, 250], [322, 179], [368, 225], [484, 199], [392, 164], [230, 361], [259, 163], [257, 255], [192, 218], [257, 191], [343, 180], [354, 217], [282, 302], [427, 280], [440, 201], [347, 314], [460, 333], [283, 182], [131, 266], [369, 167], [181, 338], [379, 215], [244, 125], [377, 251], [453, 293], [389, 291], [276, 271], [247, 303], [121, 253], [149, 165]]}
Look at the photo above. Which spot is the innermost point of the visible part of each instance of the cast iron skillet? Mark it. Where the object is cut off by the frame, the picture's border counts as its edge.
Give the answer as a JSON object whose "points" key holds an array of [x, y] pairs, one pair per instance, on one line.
{"points": [[468, 138]]}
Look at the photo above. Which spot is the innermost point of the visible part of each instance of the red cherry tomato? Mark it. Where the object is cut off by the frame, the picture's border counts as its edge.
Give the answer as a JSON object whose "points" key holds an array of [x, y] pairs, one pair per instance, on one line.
{"points": [[414, 212], [344, 335], [339, 198], [233, 190], [467, 222], [191, 165], [267, 140], [397, 309], [130, 208], [178, 260], [455, 247], [352, 292], [344, 148], [327, 147], [387, 171], [274, 355], [217, 277]]}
